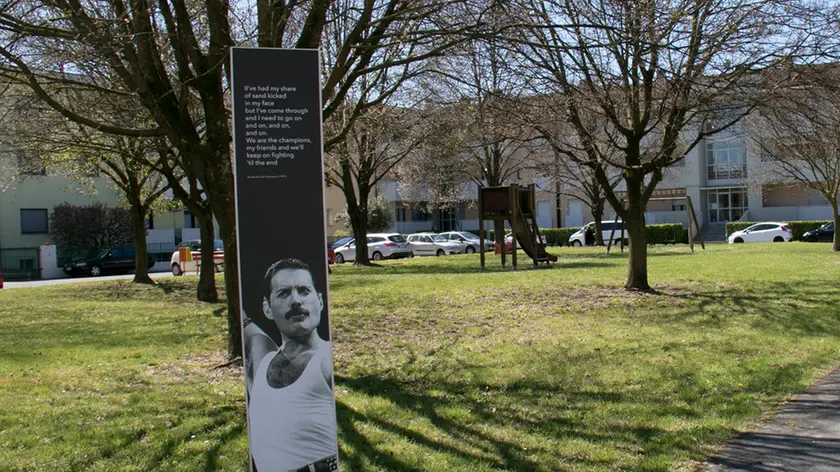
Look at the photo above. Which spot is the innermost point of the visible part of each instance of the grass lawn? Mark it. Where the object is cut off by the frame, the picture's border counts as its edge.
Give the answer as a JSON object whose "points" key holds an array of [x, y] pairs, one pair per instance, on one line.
{"points": [[439, 366]]}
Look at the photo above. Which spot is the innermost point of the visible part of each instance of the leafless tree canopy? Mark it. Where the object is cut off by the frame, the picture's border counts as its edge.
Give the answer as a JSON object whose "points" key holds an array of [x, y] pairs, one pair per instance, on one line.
{"points": [[171, 58], [643, 76], [798, 135]]}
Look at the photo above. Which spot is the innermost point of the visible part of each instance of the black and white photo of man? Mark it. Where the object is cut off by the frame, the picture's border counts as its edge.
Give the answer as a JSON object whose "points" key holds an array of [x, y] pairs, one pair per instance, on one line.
{"points": [[291, 406]]}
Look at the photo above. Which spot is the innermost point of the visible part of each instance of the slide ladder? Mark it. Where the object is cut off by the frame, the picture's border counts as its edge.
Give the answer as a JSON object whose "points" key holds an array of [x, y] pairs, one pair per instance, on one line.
{"points": [[527, 234]]}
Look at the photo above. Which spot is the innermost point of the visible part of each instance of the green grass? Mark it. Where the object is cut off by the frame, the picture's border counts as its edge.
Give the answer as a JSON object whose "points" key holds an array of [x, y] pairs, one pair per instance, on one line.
{"points": [[439, 366]]}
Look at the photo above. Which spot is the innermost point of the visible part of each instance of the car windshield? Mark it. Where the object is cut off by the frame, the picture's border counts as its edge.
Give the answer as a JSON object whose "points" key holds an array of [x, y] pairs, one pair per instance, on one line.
{"points": [[469, 236], [396, 238], [439, 238], [828, 226], [341, 242]]}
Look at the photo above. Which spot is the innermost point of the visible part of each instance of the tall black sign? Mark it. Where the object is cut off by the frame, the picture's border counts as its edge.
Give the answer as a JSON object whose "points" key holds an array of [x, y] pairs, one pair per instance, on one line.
{"points": [[282, 259]]}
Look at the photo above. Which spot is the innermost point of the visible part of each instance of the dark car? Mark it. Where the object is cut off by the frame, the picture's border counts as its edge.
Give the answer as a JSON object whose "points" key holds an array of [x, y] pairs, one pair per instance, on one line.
{"points": [[824, 233], [1, 277], [114, 260]]}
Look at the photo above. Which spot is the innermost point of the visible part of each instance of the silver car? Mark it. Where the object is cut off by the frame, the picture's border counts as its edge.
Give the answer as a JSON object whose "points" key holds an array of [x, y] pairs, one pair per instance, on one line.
{"points": [[380, 246], [430, 244], [470, 240]]}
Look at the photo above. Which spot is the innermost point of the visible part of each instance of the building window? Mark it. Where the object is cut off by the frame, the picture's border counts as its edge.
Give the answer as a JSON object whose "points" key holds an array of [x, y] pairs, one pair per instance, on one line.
{"points": [[330, 221], [678, 205], [189, 220], [725, 161], [401, 214], [419, 215], [727, 204], [33, 221]]}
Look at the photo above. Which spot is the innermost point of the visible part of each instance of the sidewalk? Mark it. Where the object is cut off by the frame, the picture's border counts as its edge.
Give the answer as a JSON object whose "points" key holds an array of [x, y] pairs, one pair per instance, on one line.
{"points": [[803, 437]]}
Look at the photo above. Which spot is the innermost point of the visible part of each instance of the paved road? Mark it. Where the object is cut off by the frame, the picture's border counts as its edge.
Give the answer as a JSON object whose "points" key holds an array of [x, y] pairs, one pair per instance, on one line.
{"points": [[73, 280], [803, 437]]}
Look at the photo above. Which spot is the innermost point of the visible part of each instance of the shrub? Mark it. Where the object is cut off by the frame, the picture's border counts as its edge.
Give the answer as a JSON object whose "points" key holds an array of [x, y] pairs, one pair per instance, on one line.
{"points": [[558, 236], [667, 233], [798, 228], [656, 234]]}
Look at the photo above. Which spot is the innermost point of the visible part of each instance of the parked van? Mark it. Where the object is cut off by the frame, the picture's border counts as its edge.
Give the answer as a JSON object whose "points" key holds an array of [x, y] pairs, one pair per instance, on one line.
{"points": [[579, 238]]}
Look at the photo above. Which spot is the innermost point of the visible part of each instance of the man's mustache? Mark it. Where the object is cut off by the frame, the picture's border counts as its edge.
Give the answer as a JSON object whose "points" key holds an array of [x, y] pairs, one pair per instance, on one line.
{"points": [[297, 312]]}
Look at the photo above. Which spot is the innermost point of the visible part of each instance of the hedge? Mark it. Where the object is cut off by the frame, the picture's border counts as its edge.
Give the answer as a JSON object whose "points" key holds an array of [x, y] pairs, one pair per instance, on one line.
{"points": [[797, 227], [656, 234]]}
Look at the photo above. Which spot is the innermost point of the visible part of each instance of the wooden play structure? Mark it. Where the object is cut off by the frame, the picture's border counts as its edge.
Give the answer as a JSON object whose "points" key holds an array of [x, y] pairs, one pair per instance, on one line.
{"points": [[690, 215], [516, 205]]}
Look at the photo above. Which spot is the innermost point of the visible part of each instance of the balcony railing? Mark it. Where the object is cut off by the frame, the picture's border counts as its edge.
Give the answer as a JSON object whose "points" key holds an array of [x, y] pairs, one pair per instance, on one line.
{"points": [[727, 171]]}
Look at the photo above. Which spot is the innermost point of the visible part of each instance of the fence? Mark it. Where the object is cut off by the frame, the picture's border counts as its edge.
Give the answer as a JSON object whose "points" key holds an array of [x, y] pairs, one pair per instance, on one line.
{"points": [[20, 263]]}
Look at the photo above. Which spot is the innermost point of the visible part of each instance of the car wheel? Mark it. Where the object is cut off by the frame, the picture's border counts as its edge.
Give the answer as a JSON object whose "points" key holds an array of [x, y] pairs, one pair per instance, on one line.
{"points": [[440, 252], [738, 240], [576, 243], [377, 256], [95, 271], [778, 239], [470, 250], [339, 259], [176, 270]]}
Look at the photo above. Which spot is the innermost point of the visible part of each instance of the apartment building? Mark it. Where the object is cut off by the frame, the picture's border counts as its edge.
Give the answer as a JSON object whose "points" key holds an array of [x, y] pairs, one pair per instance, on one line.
{"points": [[28, 199], [726, 179]]}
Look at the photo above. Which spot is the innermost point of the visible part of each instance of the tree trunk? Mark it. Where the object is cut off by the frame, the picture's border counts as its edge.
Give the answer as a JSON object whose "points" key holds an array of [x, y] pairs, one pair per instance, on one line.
{"points": [[598, 214], [221, 198], [836, 244], [141, 260], [228, 233], [637, 265], [207, 276], [499, 233], [359, 222]]}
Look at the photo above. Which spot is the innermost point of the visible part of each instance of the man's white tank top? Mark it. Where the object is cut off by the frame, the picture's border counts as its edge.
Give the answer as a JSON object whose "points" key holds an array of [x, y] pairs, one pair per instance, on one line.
{"points": [[294, 425]]}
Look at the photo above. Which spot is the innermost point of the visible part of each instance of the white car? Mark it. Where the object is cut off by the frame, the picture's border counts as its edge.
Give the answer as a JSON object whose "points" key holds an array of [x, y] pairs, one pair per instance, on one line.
{"points": [[380, 246], [608, 228], [762, 233], [472, 241], [430, 244], [180, 267]]}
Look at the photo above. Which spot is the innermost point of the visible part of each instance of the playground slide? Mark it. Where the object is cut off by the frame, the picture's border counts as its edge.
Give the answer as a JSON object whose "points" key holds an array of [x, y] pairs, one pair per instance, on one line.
{"points": [[530, 245]]}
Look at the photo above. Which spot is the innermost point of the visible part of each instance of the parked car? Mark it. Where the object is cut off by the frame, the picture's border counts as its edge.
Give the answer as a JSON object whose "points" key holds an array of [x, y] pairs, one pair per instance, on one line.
{"points": [[342, 242], [330, 255], [380, 246], [472, 241], [824, 233], [180, 267], [762, 233], [115, 260], [1, 277], [579, 238], [430, 244]]}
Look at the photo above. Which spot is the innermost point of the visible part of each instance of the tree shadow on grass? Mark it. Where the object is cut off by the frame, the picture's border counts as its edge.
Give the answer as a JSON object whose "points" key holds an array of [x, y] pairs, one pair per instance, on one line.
{"points": [[523, 265], [779, 305], [473, 440]]}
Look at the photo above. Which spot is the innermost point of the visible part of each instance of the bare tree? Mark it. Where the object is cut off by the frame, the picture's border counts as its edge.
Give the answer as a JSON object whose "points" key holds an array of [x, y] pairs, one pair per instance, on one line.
{"points": [[478, 141], [798, 136], [379, 139], [171, 58], [66, 148], [650, 72], [580, 182]]}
